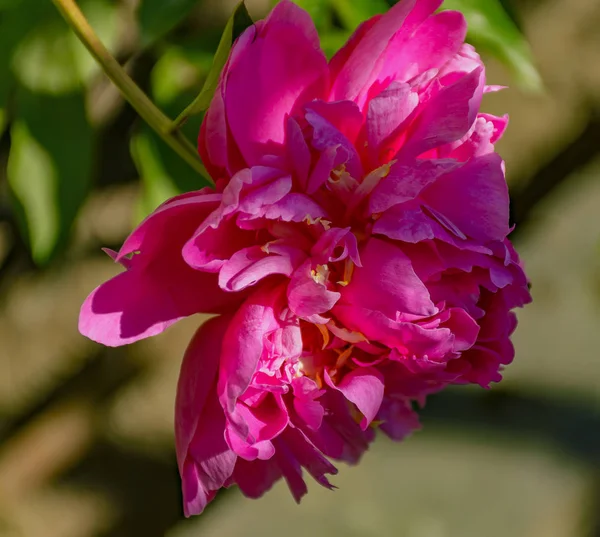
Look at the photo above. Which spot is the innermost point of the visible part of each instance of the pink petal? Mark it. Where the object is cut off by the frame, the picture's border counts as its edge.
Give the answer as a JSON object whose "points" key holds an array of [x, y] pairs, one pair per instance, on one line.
{"points": [[361, 67], [406, 181], [298, 152], [309, 457], [447, 116], [387, 113], [250, 265], [387, 282], [326, 135], [256, 477], [281, 70], [400, 420], [196, 378], [364, 387], [474, 198], [205, 461], [306, 296], [159, 288], [243, 345], [210, 248], [432, 44], [294, 207]]}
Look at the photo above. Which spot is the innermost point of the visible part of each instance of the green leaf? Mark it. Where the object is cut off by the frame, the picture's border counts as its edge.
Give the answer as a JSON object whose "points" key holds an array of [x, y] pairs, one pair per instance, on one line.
{"points": [[354, 12], [49, 168], [33, 179], [334, 40], [16, 20], [176, 71], [237, 23], [157, 185], [50, 59], [44, 60], [492, 29], [157, 17]]}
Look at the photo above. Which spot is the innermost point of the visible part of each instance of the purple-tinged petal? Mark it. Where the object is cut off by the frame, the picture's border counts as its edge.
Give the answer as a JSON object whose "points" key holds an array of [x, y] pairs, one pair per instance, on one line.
{"points": [[474, 198], [405, 182], [298, 152], [387, 113], [326, 135], [399, 419], [387, 282], [447, 116]]}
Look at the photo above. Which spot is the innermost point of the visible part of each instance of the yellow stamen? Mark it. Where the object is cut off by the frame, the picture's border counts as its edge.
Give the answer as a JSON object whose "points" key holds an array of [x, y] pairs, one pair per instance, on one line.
{"points": [[319, 379], [321, 274], [313, 221], [343, 357], [325, 333]]}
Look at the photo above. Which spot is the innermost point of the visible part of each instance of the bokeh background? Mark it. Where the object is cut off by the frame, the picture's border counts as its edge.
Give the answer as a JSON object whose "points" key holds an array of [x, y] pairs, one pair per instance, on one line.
{"points": [[86, 442]]}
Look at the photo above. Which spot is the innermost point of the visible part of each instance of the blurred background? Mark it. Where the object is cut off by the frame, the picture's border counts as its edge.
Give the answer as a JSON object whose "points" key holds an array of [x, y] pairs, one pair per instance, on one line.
{"points": [[86, 442]]}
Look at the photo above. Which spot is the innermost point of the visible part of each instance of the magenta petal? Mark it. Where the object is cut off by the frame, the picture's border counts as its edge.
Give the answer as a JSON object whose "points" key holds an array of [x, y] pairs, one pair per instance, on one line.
{"points": [[364, 387], [387, 282], [159, 288], [281, 70], [448, 116], [250, 265], [213, 246], [323, 168], [166, 222], [399, 419], [256, 477], [205, 461], [474, 198], [243, 345], [298, 152], [345, 116], [432, 44], [339, 436], [196, 378], [405, 182], [360, 68], [308, 297], [406, 223], [265, 419], [326, 135], [294, 207], [291, 470], [309, 457], [310, 411], [387, 112]]}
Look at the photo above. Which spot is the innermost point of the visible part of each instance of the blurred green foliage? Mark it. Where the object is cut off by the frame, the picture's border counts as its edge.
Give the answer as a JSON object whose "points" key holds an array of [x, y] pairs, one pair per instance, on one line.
{"points": [[49, 94]]}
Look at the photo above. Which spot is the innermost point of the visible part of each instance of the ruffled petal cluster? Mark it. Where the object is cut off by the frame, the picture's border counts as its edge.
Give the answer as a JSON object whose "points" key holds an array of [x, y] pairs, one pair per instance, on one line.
{"points": [[354, 250]]}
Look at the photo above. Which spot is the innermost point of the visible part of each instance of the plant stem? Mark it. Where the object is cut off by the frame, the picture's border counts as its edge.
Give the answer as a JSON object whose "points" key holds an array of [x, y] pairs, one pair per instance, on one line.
{"points": [[129, 89]]}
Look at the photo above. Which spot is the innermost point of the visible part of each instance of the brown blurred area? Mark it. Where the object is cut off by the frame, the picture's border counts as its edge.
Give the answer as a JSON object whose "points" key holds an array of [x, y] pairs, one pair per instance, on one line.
{"points": [[86, 441]]}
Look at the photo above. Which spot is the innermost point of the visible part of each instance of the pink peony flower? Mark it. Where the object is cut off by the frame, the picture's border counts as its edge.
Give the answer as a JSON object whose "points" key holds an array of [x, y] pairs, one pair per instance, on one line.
{"points": [[355, 249]]}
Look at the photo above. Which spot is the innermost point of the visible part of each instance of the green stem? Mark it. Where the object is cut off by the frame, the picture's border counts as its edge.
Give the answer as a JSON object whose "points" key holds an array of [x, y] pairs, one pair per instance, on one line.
{"points": [[130, 90]]}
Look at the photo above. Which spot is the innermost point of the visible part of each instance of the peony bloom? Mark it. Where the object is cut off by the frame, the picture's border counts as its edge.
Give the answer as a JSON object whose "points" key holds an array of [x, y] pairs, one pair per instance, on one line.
{"points": [[355, 250]]}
